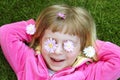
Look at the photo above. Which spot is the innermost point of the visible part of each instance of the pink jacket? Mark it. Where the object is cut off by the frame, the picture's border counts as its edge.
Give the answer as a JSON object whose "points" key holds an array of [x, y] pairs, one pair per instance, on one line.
{"points": [[28, 66]]}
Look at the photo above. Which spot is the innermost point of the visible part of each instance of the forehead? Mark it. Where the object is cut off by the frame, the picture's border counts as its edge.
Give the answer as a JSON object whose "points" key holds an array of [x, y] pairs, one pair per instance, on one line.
{"points": [[67, 26], [60, 35]]}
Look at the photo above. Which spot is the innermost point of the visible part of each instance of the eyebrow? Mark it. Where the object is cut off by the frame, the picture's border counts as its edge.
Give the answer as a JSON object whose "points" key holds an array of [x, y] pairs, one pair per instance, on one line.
{"points": [[51, 35]]}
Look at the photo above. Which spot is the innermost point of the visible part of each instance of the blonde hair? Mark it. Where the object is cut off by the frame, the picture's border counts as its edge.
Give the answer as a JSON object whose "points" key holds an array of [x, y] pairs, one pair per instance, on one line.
{"points": [[77, 22]]}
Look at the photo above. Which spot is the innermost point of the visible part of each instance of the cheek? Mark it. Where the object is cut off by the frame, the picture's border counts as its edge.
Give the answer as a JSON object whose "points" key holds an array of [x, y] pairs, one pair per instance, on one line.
{"points": [[43, 50], [45, 54], [71, 59], [77, 49], [42, 47], [74, 54]]}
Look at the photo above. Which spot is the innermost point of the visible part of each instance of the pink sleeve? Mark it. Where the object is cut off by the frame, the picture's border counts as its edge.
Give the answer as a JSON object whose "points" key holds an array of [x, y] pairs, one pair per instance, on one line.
{"points": [[108, 66], [12, 40]]}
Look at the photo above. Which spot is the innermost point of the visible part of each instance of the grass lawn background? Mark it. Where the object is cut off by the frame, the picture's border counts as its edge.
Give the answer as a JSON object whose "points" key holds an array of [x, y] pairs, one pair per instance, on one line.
{"points": [[105, 12]]}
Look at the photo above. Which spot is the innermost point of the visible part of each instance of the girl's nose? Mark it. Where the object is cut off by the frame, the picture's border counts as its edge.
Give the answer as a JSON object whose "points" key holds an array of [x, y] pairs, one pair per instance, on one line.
{"points": [[59, 49]]}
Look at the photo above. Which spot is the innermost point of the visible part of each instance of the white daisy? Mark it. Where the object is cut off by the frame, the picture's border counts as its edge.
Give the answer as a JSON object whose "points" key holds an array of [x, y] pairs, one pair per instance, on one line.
{"points": [[30, 29], [68, 46], [89, 51], [50, 45]]}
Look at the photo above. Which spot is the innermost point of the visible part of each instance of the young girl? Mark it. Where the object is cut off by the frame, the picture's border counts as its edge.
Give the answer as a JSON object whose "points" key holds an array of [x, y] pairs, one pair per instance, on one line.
{"points": [[60, 45]]}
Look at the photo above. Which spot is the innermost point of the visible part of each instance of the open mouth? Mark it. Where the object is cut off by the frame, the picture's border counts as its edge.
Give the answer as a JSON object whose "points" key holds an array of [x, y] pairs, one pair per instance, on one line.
{"points": [[57, 60]]}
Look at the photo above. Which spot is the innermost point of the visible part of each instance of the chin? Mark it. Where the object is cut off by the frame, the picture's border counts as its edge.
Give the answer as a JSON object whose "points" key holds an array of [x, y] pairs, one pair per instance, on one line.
{"points": [[56, 68]]}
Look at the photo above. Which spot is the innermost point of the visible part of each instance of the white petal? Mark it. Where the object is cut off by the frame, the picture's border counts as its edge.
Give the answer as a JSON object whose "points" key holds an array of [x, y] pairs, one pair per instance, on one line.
{"points": [[30, 29], [89, 51]]}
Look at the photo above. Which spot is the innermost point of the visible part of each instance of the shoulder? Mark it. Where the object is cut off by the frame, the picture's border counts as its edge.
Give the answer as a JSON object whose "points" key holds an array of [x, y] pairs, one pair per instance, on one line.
{"points": [[103, 47], [106, 44]]}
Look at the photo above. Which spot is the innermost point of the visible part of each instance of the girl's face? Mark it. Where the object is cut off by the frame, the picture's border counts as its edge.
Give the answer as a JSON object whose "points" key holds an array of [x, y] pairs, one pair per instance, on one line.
{"points": [[59, 50]]}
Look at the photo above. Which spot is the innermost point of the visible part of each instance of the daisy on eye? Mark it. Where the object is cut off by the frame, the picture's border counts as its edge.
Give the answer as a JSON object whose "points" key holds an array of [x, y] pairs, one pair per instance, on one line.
{"points": [[50, 45], [68, 46]]}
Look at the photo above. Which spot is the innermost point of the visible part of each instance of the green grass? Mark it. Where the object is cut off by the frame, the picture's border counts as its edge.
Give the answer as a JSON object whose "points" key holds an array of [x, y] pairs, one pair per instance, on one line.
{"points": [[105, 12]]}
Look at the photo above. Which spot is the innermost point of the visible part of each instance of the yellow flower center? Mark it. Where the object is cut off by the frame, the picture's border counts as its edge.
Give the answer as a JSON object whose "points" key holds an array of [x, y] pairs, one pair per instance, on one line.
{"points": [[69, 46], [50, 45]]}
